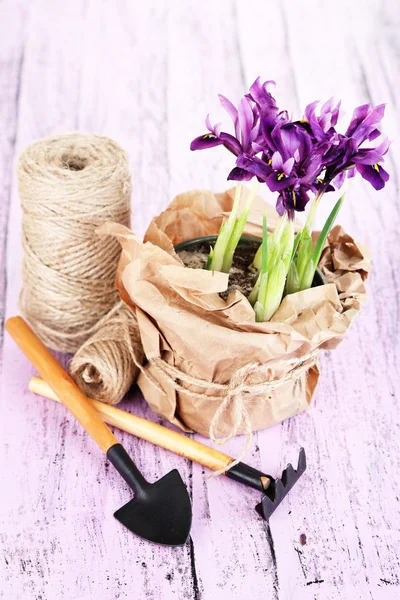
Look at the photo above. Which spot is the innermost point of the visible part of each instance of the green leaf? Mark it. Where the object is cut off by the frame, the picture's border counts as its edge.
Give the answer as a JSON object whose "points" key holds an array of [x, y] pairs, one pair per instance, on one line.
{"points": [[304, 254], [257, 258], [286, 244], [276, 284], [325, 232], [259, 291], [254, 292], [259, 311], [296, 244], [234, 240], [308, 276], [262, 291], [274, 254], [220, 247], [209, 260], [264, 251], [292, 281], [237, 230], [225, 233]]}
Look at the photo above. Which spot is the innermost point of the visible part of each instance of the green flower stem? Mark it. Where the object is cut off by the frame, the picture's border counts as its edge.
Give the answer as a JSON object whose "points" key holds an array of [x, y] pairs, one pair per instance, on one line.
{"points": [[216, 258], [267, 293], [296, 244], [276, 285], [305, 241], [304, 254], [308, 275], [304, 265], [273, 239], [311, 215], [272, 242], [262, 288], [221, 256], [238, 229]]}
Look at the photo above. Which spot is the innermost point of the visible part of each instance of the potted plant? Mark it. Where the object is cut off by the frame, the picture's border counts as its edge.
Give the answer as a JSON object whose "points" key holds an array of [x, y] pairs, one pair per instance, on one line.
{"points": [[294, 159], [225, 360]]}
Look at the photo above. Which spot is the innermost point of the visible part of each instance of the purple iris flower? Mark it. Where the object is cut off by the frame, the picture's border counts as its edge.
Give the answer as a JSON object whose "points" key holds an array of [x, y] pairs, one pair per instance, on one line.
{"points": [[295, 158], [289, 164], [367, 163], [322, 124], [246, 123], [264, 100], [364, 121], [346, 153]]}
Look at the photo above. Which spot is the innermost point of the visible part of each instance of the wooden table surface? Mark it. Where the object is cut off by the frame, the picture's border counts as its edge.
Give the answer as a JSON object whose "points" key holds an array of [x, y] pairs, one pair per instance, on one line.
{"points": [[146, 74]]}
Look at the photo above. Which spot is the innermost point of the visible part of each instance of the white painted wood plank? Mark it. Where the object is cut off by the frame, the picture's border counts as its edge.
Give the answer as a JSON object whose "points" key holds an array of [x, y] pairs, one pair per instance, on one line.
{"points": [[12, 24], [337, 504], [83, 520], [205, 53], [147, 74]]}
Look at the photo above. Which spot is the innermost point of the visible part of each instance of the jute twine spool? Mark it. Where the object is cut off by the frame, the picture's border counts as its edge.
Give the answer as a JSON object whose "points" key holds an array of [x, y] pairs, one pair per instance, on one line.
{"points": [[104, 367], [69, 185]]}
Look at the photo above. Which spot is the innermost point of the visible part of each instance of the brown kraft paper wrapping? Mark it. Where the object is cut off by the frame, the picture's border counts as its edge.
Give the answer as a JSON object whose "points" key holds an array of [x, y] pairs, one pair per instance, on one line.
{"points": [[196, 344]]}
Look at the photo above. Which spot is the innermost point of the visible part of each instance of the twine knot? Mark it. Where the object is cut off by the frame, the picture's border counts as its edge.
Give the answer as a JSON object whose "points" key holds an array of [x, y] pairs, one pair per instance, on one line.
{"points": [[233, 397], [234, 405]]}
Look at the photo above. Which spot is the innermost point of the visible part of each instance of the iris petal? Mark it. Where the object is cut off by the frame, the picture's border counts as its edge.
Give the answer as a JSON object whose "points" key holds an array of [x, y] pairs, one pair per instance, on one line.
{"points": [[254, 165], [245, 118], [238, 174], [260, 94], [232, 112], [377, 176], [359, 115], [209, 140], [276, 161], [231, 143], [339, 180], [288, 166], [276, 183]]}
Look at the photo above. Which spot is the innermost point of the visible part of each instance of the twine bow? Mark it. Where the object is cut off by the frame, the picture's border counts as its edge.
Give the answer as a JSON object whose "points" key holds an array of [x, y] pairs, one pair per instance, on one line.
{"points": [[234, 396]]}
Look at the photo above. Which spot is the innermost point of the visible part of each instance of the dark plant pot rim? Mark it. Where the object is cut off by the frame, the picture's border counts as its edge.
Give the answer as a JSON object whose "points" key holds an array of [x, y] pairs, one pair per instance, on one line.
{"points": [[319, 278]]}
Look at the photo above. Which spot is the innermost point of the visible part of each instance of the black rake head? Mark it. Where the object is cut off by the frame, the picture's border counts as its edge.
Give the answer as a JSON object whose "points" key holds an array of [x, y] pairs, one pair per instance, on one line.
{"points": [[279, 488]]}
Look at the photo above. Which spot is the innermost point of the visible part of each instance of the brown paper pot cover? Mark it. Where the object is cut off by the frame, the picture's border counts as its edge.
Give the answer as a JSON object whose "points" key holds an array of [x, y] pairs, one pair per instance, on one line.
{"points": [[190, 335]]}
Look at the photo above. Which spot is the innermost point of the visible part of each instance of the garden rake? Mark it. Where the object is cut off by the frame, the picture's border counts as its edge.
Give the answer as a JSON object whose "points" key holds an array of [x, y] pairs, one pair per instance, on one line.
{"points": [[274, 490]]}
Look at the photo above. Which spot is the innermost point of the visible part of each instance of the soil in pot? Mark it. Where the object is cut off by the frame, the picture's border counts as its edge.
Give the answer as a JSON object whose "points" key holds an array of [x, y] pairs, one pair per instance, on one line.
{"points": [[242, 276], [194, 254]]}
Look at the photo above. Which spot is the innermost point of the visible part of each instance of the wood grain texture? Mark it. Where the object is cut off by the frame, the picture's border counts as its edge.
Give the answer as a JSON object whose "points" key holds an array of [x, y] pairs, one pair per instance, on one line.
{"points": [[146, 73], [60, 382], [174, 441]]}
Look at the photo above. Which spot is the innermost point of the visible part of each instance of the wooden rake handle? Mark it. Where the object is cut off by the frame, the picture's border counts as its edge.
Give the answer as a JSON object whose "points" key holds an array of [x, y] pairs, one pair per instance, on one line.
{"points": [[60, 382], [147, 430]]}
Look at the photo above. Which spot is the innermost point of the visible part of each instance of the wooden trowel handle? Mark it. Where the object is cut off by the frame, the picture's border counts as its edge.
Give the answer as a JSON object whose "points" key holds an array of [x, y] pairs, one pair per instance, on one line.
{"points": [[60, 382], [149, 431]]}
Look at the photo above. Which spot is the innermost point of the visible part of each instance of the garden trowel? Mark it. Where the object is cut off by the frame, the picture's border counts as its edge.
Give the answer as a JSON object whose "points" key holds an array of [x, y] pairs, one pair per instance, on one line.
{"points": [[159, 512], [274, 490]]}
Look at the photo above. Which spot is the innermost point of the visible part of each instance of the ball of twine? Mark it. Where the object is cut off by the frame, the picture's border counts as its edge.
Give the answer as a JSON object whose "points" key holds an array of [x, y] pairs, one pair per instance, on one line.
{"points": [[104, 367], [69, 185]]}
